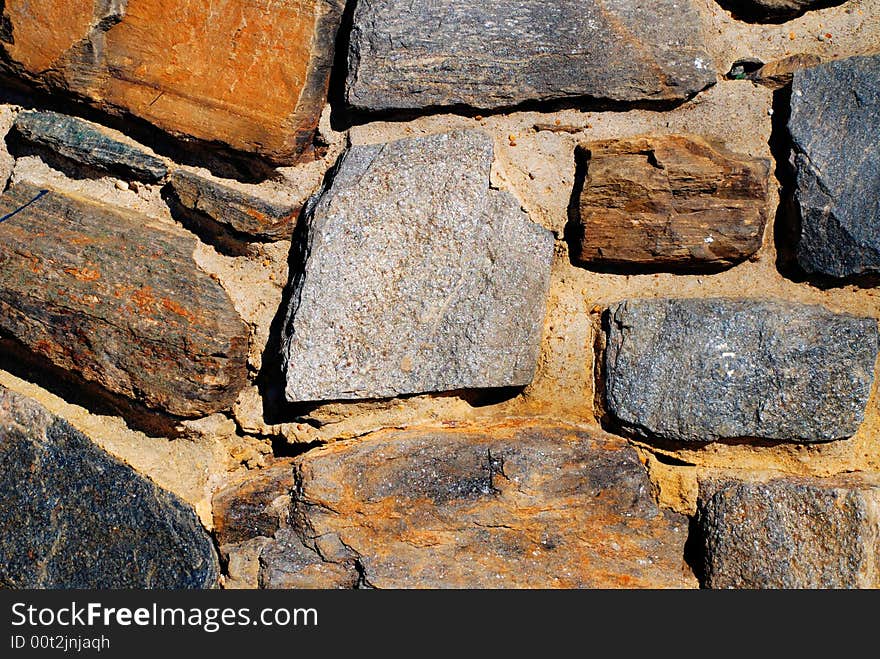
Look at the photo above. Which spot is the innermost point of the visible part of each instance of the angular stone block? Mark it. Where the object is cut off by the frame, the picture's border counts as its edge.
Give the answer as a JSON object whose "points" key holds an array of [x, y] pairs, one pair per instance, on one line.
{"points": [[675, 201], [417, 276], [834, 125], [89, 144], [701, 370], [407, 54], [117, 300], [73, 516], [791, 532], [250, 75], [530, 507], [240, 212]]}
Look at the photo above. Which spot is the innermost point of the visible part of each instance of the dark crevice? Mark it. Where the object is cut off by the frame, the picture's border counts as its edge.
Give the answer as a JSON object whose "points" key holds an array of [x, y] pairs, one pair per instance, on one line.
{"points": [[694, 552], [339, 73], [749, 12], [281, 448], [573, 232], [16, 359]]}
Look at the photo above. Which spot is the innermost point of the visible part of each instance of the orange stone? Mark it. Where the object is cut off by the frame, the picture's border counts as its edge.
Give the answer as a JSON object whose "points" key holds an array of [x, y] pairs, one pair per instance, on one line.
{"points": [[251, 75]]}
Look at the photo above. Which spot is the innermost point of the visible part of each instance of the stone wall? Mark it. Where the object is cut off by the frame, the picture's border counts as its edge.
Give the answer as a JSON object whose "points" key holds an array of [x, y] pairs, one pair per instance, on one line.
{"points": [[439, 294]]}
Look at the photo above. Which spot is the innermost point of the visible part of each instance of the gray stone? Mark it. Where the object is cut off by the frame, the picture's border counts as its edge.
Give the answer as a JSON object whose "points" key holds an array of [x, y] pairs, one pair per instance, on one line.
{"points": [[89, 144], [834, 125], [516, 507], [705, 370], [417, 276], [412, 54], [790, 532], [72, 516], [243, 213]]}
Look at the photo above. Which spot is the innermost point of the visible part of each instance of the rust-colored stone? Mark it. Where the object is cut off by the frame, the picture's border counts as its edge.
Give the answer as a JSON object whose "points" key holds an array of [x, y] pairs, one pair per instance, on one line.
{"points": [[676, 201], [256, 507], [529, 507], [248, 74], [102, 293]]}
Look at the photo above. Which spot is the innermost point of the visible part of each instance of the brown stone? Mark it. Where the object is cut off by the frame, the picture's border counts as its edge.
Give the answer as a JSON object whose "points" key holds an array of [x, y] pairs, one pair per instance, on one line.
{"points": [[677, 201], [527, 507], [248, 74], [780, 73], [255, 507], [118, 301]]}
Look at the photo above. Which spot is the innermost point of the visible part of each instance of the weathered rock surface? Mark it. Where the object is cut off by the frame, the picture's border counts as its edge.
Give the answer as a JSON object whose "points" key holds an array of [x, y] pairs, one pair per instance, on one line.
{"points": [[417, 276], [247, 74], [103, 293], [778, 73], [669, 201], [256, 507], [834, 125], [72, 516], [531, 507], [775, 9], [89, 144], [413, 55], [710, 369], [238, 211], [791, 532]]}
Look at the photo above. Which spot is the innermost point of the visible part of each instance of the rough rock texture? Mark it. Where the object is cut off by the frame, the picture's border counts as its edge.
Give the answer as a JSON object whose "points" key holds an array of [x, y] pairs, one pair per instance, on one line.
{"points": [[407, 54], [527, 507], [238, 211], [704, 370], [779, 73], [72, 516], [247, 74], [417, 277], [775, 9], [834, 125], [89, 144], [256, 507], [102, 293], [791, 533], [669, 201]]}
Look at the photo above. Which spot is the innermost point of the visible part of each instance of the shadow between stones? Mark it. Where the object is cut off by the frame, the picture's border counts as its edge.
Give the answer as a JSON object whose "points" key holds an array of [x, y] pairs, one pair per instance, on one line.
{"points": [[745, 11], [26, 365]]}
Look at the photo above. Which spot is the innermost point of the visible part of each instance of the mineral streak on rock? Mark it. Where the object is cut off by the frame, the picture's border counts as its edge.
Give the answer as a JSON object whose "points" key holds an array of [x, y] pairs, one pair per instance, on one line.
{"points": [[251, 75], [72, 516], [834, 125], [701, 370], [516, 508], [407, 54], [241, 212], [790, 532], [89, 144], [668, 202], [102, 293], [417, 277]]}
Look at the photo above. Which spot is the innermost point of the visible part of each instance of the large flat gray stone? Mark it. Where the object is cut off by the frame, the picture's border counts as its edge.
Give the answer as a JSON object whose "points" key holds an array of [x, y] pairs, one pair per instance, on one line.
{"points": [[713, 369], [413, 54], [834, 126], [791, 532], [73, 516], [417, 277]]}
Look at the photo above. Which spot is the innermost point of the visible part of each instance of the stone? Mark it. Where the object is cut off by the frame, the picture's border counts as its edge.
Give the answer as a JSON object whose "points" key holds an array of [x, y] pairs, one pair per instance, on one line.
{"points": [[791, 532], [254, 507], [116, 299], [675, 201], [409, 287], [73, 516], [702, 370], [518, 507], [242, 213], [779, 73], [834, 124], [250, 75], [775, 10], [89, 144], [495, 55]]}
